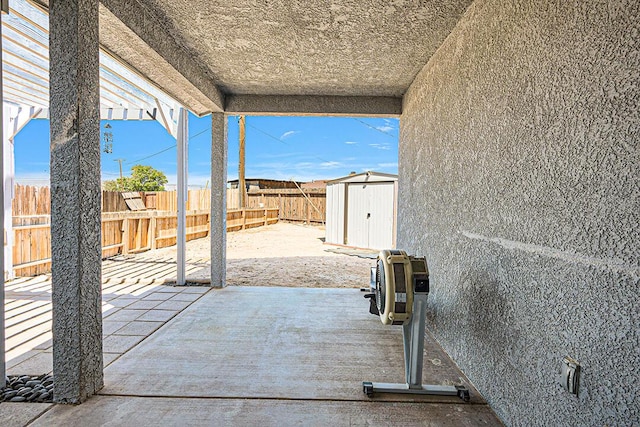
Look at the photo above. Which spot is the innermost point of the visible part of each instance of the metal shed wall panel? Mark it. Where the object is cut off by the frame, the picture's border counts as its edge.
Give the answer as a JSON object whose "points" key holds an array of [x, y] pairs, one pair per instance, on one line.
{"points": [[335, 214], [361, 211], [370, 210], [381, 206]]}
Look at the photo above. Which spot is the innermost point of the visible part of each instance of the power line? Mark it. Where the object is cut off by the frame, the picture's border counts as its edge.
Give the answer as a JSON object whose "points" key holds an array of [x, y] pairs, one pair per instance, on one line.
{"points": [[283, 142], [152, 155], [198, 134], [268, 134], [168, 148], [374, 128]]}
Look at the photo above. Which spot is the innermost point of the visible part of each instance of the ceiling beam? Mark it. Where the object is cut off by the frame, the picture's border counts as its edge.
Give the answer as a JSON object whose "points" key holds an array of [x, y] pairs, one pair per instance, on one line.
{"points": [[365, 106], [129, 31]]}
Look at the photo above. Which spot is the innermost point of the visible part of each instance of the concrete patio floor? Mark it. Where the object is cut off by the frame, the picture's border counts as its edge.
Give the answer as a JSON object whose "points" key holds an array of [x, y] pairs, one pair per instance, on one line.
{"points": [[131, 310], [267, 356]]}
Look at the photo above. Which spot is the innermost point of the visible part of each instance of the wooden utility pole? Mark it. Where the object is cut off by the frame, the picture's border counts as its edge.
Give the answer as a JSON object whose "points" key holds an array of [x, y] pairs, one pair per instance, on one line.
{"points": [[120, 163], [119, 182], [242, 187]]}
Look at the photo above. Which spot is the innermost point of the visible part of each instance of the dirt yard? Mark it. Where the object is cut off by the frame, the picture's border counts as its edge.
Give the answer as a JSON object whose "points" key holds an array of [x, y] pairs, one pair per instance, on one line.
{"points": [[287, 254]]}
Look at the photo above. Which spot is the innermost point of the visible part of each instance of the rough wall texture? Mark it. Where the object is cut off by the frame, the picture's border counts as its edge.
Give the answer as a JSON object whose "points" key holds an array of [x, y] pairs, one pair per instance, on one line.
{"points": [[310, 47], [75, 200], [218, 200], [131, 32], [519, 180]]}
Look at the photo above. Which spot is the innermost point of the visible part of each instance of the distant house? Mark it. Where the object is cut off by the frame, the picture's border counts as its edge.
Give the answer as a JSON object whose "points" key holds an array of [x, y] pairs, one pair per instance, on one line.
{"points": [[261, 184], [321, 183]]}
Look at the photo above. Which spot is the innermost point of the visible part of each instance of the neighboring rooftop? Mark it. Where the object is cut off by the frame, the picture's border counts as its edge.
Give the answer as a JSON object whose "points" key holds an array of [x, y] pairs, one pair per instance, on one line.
{"points": [[264, 183]]}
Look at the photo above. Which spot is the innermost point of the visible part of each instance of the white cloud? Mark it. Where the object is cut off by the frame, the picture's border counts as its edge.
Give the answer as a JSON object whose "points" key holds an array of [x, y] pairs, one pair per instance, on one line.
{"points": [[304, 165], [380, 146], [389, 125], [330, 165], [350, 142], [289, 133], [385, 128]]}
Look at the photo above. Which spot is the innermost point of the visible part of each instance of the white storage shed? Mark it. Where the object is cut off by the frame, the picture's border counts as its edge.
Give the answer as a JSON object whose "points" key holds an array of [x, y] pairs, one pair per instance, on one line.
{"points": [[361, 210]]}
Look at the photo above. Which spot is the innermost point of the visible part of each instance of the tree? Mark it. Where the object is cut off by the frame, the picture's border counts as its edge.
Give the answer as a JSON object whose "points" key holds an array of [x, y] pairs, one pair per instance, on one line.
{"points": [[143, 178]]}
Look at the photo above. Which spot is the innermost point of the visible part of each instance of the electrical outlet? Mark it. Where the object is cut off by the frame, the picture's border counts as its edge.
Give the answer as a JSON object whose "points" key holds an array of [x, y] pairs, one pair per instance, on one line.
{"points": [[570, 375]]}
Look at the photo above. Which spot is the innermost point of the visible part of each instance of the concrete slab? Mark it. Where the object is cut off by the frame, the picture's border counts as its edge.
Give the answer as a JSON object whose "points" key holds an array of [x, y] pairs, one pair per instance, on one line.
{"points": [[158, 296], [108, 358], [184, 296], [138, 328], [144, 305], [121, 343], [45, 345], [110, 326], [117, 411], [173, 304], [275, 343], [157, 315], [21, 414], [21, 358], [125, 315], [192, 289], [41, 363], [122, 301]]}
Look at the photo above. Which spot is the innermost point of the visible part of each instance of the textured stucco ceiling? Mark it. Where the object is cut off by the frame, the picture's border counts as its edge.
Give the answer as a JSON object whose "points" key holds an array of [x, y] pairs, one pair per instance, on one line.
{"points": [[314, 47]]}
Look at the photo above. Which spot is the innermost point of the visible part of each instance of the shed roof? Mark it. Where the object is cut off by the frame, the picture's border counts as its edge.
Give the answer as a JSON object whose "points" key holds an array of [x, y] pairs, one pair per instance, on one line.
{"points": [[364, 177]]}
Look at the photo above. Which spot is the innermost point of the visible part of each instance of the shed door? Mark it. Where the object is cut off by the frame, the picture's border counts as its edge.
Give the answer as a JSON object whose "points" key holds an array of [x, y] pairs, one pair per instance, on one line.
{"points": [[370, 215]]}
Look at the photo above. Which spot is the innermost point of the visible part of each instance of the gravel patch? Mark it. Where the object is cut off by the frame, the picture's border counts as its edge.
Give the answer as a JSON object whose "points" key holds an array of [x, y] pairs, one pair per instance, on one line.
{"points": [[27, 388]]}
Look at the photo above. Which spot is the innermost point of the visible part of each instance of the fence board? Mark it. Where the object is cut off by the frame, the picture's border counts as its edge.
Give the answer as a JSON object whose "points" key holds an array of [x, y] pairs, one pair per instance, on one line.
{"points": [[112, 201], [156, 226], [127, 232], [292, 203], [29, 200]]}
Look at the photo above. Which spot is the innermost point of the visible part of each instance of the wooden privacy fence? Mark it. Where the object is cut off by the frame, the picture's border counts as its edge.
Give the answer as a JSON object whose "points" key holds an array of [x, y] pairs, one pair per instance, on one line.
{"points": [[306, 205], [198, 200], [240, 219], [127, 233], [30, 201], [292, 203]]}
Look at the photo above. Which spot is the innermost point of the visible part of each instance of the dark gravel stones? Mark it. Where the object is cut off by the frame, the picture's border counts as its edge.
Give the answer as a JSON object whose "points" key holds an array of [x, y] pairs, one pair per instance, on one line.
{"points": [[25, 388]]}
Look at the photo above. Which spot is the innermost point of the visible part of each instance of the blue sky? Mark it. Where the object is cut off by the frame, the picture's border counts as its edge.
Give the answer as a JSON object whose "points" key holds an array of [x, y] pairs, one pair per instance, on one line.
{"points": [[303, 148]]}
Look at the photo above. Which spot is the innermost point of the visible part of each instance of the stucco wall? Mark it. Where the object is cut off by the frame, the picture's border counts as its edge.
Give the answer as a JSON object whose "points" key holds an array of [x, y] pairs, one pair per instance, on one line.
{"points": [[519, 180]]}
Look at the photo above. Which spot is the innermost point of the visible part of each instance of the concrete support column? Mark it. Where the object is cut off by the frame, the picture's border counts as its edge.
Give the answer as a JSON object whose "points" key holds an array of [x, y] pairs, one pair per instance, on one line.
{"points": [[8, 180], [182, 195], [3, 372], [218, 199], [75, 199]]}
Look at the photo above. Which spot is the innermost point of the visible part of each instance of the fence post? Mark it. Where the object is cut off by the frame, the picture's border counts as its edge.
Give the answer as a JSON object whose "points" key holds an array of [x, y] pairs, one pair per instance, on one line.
{"points": [[139, 234], [152, 232], [244, 218], [125, 236], [266, 217]]}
